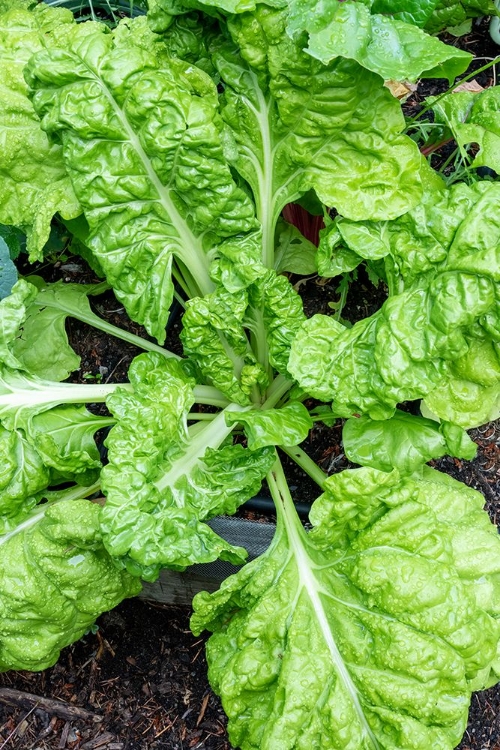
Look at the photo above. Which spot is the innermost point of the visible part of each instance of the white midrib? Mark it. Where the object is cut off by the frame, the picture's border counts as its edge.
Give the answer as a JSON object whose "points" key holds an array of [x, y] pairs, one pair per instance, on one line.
{"points": [[210, 437], [265, 174], [77, 493], [308, 582], [191, 251]]}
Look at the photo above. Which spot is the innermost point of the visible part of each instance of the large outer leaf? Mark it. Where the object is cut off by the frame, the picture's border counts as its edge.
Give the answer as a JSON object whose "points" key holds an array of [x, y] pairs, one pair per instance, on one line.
{"points": [[444, 255], [394, 49], [295, 124], [146, 164], [369, 632], [33, 180], [164, 480], [55, 580]]}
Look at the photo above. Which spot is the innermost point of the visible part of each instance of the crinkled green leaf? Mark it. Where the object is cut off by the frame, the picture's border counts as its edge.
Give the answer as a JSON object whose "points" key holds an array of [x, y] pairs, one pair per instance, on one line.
{"points": [[471, 397], [33, 180], [404, 442], [294, 125], [165, 479], [48, 605], [444, 287], [282, 314], [454, 12], [163, 188], [368, 632], [416, 12], [394, 49], [22, 475], [286, 426], [42, 344], [474, 118], [294, 253], [435, 15], [64, 438], [214, 337]]}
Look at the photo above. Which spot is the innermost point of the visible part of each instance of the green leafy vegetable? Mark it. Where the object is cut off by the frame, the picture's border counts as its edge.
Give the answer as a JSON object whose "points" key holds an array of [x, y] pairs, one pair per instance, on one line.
{"points": [[443, 269], [46, 606], [392, 48], [33, 184], [474, 118], [404, 442], [165, 479], [367, 632], [8, 271]]}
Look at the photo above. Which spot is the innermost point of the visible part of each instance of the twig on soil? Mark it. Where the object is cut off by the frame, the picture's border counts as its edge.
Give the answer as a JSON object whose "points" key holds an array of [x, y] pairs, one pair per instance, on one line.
{"points": [[51, 705], [204, 705]]}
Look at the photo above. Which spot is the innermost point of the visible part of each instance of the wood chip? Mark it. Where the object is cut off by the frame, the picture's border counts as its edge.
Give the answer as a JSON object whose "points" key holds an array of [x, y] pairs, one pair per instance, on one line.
{"points": [[472, 87], [51, 705], [102, 739]]}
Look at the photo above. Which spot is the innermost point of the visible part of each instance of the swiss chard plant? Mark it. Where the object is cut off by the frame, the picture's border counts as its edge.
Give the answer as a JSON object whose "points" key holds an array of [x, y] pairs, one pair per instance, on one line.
{"points": [[171, 148]]}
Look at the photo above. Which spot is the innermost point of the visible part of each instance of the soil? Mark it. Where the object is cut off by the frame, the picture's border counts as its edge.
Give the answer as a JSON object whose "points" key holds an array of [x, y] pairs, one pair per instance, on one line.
{"points": [[140, 676]]}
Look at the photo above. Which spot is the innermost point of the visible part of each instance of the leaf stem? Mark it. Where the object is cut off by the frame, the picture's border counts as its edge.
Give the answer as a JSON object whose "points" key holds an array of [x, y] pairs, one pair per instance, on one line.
{"points": [[278, 388], [283, 501], [306, 463]]}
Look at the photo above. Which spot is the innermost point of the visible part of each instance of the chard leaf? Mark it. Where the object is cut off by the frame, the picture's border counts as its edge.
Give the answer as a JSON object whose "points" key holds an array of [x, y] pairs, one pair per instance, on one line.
{"points": [[13, 311], [294, 253], [286, 426], [404, 442], [22, 475], [474, 118], [463, 402], [213, 335], [42, 344], [394, 49], [33, 185], [164, 479], [8, 271], [446, 259], [164, 189], [454, 12], [48, 605], [435, 15], [294, 125], [214, 329], [64, 438], [416, 12], [368, 632]]}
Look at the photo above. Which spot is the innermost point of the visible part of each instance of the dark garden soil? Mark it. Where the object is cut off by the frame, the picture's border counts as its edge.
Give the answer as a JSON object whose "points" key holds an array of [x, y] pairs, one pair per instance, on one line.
{"points": [[139, 681]]}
